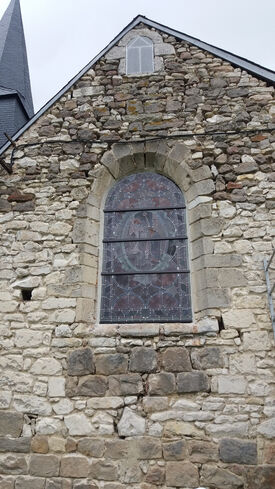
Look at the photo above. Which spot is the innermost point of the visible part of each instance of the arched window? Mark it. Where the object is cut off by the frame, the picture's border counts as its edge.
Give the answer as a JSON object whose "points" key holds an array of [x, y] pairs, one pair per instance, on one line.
{"points": [[145, 274], [139, 56]]}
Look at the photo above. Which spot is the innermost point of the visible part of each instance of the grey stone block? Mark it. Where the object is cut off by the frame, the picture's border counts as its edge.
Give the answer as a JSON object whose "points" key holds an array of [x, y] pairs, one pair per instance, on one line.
{"points": [[91, 447], [192, 382], [176, 359], [181, 474], [143, 360], [44, 465], [19, 445], [125, 385], [80, 362], [238, 451], [211, 475], [111, 364], [13, 465], [148, 448], [11, 424], [92, 385], [162, 384], [209, 357], [175, 450], [104, 470], [29, 483]]}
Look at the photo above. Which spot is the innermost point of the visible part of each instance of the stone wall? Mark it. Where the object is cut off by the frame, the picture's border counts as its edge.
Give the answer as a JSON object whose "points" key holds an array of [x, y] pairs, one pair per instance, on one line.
{"points": [[87, 405]]}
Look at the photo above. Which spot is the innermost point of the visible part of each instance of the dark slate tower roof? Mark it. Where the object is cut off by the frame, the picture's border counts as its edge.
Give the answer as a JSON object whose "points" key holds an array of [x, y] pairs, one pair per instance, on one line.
{"points": [[15, 84]]}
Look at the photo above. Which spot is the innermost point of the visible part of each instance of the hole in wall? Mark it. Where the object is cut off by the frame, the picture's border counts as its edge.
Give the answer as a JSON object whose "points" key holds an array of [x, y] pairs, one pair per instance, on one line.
{"points": [[26, 294], [220, 323]]}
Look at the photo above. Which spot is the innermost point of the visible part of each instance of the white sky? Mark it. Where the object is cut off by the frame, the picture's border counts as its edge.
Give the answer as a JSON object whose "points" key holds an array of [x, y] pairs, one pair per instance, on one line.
{"points": [[64, 35]]}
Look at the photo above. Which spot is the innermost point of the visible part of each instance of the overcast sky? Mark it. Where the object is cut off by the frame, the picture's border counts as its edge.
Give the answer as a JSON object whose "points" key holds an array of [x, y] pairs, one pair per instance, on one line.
{"points": [[64, 35]]}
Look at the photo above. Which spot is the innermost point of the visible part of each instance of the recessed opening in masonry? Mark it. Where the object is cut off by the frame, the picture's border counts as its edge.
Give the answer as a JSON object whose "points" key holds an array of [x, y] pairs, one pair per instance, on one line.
{"points": [[26, 294]]}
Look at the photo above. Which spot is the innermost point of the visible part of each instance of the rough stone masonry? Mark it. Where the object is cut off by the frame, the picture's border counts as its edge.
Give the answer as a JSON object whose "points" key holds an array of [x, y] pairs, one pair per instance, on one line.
{"points": [[140, 406]]}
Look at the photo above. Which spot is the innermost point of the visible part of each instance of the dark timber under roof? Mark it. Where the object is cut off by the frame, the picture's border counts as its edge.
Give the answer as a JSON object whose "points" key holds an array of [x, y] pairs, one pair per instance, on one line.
{"points": [[252, 68]]}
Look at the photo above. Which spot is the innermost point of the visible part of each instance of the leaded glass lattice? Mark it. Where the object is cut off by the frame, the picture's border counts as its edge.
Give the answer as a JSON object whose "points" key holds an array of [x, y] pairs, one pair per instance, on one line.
{"points": [[145, 275]]}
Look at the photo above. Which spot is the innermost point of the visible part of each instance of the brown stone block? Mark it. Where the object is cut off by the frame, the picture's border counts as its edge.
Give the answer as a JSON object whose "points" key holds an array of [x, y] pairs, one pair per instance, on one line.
{"points": [[176, 359], [262, 477], [117, 449], [74, 466], [269, 453], [44, 465], [182, 474], [6, 483], [39, 444], [148, 448], [155, 476]]}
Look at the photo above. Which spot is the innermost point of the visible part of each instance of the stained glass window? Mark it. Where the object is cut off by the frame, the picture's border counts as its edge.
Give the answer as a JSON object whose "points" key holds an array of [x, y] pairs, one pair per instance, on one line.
{"points": [[145, 274], [139, 56]]}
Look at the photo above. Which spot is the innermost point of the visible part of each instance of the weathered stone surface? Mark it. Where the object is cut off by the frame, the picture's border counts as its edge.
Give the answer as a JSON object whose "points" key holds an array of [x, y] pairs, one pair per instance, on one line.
{"points": [[175, 429], [238, 451], [182, 474], [176, 360], [104, 470], [111, 364], [262, 477], [155, 476], [209, 357], [269, 453], [92, 385], [84, 485], [176, 450], [19, 445], [39, 444], [202, 452], [125, 385], [44, 465], [192, 382], [211, 475], [80, 362], [46, 366], [13, 465], [148, 448], [162, 384], [91, 447], [22, 482], [74, 466], [131, 424], [11, 424], [267, 428], [117, 449], [143, 360], [78, 424], [232, 384]]}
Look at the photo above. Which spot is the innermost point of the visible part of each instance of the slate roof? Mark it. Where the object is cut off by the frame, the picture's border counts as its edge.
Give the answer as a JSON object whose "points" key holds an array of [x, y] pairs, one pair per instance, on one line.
{"points": [[253, 68], [14, 71]]}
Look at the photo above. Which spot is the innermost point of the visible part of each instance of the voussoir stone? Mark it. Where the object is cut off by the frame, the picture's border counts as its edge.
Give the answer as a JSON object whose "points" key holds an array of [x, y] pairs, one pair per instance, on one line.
{"points": [[11, 424], [176, 359], [143, 360], [80, 362], [193, 382], [238, 451], [181, 474], [111, 364]]}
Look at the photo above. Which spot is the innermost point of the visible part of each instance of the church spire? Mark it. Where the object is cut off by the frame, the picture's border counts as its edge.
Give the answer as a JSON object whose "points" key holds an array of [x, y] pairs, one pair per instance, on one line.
{"points": [[16, 106]]}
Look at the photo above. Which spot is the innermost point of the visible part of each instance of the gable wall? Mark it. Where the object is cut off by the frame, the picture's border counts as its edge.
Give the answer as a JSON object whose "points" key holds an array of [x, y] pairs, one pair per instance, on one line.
{"points": [[153, 405]]}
